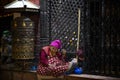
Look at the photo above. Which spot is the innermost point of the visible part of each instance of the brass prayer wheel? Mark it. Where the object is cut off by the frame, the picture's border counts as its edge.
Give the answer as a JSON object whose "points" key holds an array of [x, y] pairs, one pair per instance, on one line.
{"points": [[23, 38]]}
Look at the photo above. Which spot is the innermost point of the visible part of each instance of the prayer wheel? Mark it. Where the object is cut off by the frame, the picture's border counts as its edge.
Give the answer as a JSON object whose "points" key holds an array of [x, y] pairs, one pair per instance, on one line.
{"points": [[23, 38]]}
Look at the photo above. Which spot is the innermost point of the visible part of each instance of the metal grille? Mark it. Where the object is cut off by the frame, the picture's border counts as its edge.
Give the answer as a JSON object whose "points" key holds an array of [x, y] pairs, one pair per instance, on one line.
{"points": [[99, 36], [64, 22]]}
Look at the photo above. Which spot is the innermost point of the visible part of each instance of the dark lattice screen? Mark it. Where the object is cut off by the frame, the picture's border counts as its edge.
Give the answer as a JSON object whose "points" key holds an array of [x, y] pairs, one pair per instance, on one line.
{"points": [[99, 36], [102, 37], [64, 22]]}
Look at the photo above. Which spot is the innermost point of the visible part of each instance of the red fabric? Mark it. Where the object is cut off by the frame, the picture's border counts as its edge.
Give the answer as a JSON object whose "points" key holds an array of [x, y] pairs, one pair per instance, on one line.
{"points": [[59, 68], [44, 55], [43, 58], [43, 67]]}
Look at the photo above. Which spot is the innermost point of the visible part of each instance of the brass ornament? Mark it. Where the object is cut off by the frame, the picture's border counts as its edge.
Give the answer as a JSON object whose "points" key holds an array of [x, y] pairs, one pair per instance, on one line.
{"points": [[15, 24], [24, 25], [31, 24]]}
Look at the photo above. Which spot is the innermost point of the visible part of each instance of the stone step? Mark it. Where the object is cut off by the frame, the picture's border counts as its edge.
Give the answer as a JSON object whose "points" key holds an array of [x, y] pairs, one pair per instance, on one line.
{"points": [[88, 77]]}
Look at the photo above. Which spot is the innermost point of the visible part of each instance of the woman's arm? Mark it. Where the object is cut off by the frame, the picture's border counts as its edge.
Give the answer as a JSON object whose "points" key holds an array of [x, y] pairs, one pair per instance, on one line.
{"points": [[62, 55], [43, 58]]}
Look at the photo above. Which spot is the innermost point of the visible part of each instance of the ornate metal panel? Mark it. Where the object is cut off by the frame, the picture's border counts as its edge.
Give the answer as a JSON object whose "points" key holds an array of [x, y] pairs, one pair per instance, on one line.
{"points": [[23, 38]]}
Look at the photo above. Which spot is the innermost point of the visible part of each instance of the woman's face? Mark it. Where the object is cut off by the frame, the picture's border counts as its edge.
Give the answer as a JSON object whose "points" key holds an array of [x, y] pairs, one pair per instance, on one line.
{"points": [[53, 49]]}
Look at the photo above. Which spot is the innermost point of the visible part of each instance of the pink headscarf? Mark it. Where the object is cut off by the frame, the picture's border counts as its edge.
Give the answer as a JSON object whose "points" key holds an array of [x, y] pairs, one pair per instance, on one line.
{"points": [[56, 43]]}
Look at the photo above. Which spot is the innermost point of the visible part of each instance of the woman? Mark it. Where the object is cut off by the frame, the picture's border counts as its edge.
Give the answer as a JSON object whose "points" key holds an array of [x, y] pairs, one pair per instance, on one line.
{"points": [[52, 62]]}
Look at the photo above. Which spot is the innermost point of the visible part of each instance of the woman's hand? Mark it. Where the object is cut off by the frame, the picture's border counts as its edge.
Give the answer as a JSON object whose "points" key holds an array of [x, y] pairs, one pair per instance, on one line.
{"points": [[74, 60], [63, 51]]}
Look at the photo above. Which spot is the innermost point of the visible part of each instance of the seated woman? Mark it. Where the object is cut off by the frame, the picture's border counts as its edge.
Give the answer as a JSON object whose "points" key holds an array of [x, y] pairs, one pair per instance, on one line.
{"points": [[52, 62]]}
